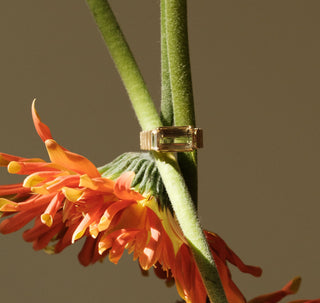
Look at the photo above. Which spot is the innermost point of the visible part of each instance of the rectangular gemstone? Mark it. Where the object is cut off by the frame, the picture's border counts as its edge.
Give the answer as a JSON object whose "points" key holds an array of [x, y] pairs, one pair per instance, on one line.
{"points": [[175, 139]]}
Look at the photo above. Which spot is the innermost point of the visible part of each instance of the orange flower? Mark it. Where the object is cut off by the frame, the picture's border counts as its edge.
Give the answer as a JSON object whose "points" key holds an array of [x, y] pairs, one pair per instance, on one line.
{"points": [[69, 199]]}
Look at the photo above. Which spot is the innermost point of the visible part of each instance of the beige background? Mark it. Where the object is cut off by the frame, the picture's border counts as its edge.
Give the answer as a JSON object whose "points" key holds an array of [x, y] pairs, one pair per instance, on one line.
{"points": [[256, 71]]}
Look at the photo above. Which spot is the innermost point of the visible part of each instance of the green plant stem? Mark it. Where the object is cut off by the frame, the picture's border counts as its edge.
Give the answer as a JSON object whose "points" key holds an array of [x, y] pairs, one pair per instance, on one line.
{"points": [[166, 113], [186, 214], [167, 164], [181, 83], [125, 64]]}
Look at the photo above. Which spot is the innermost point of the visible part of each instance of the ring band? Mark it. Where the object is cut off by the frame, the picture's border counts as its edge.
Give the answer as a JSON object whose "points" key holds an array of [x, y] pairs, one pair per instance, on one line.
{"points": [[172, 139]]}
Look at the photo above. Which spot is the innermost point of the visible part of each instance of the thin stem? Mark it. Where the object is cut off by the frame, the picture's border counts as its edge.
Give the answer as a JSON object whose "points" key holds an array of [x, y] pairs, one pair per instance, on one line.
{"points": [[166, 113], [179, 62], [181, 83], [186, 214], [125, 63]]}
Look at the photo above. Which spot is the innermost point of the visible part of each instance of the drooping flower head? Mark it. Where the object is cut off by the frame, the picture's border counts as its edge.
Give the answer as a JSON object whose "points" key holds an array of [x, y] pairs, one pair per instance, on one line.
{"points": [[68, 198]]}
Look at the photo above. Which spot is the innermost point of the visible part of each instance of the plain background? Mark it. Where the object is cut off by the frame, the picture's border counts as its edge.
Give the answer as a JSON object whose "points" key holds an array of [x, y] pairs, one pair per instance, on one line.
{"points": [[255, 68]]}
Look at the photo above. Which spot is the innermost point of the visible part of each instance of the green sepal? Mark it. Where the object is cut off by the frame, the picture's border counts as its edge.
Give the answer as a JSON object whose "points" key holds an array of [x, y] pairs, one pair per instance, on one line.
{"points": [[147, 180]]}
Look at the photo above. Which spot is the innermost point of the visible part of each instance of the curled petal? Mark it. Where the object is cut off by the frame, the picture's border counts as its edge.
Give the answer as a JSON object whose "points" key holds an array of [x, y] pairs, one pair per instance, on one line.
{"points": [[71, 161], [38, 177], [42, 129], [72, 194]]}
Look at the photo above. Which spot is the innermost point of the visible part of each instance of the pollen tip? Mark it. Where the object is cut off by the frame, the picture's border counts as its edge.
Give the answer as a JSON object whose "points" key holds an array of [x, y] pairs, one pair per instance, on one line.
{"points": [[77, 236], [47, 219], [14, 167]]}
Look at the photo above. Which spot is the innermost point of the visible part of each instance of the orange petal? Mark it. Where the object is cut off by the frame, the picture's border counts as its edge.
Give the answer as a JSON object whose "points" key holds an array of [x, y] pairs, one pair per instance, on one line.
{"points": [[7, 205], [89, 253], [80, 230], [123, 189], [11, 189], [34, 202], [42, 129], [86, 253], [41, 234], [111, 211], [90, 218], [69, 160], [51, 210], [97, 184], [141, 241], [38, 177], [19, 220], [120, 243], [5, 159], [63, 181], [152, 250], [27, 168], [290, 288], [225, 253], [43, 241], [65, 239]]}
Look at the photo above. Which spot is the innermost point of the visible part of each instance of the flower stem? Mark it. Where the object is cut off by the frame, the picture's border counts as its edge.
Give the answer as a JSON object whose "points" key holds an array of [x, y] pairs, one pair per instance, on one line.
{"points": [[186, 214], [125, 64], [166, 113], [168, 167], [177, 49]]}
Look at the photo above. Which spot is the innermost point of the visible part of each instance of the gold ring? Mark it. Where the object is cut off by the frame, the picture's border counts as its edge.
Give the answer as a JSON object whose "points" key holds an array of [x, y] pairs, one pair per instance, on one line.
{"points": [[172, 139]]}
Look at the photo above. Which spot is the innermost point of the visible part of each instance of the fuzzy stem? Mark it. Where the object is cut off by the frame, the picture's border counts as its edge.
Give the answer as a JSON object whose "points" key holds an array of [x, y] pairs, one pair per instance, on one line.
{"points": [[125, 64], [181, 84], [166, 97], [186, 214], [179, 62]]}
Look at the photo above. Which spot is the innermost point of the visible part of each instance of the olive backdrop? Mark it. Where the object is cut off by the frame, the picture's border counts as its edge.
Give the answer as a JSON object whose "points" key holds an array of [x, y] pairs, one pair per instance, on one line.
{"points": [[255, 68]]}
